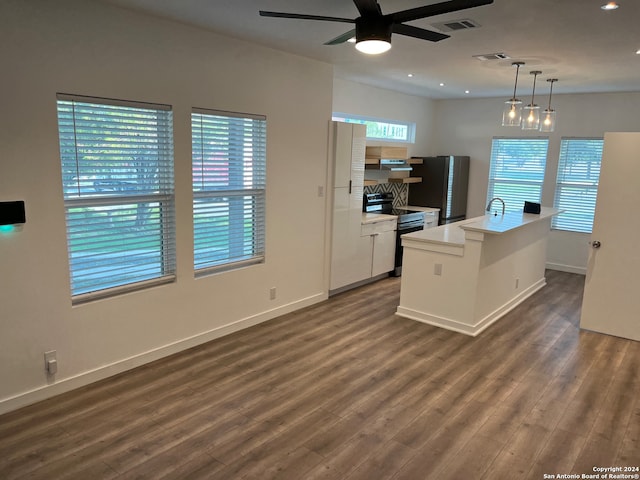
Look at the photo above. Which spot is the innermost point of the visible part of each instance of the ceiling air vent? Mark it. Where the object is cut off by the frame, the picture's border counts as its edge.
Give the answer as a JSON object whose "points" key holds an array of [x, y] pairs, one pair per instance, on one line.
{"points": [[454, 25], [491, 56]]}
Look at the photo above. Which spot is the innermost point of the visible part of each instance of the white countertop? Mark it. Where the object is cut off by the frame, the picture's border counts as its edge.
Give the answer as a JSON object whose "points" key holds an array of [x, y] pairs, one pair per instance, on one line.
{"points": [[449, 234], [454, 233], [382, 217], [376, 217], [420, 209], [498, 224]]}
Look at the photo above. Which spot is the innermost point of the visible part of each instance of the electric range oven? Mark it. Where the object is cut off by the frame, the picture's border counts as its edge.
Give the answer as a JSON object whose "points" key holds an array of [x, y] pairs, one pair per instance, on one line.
{"points": [[408, 220]]}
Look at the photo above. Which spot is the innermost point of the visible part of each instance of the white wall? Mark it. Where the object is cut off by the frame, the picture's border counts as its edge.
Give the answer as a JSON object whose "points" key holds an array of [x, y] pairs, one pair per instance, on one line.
{"points": [[359, 99], [466, 127], [92, 48]]}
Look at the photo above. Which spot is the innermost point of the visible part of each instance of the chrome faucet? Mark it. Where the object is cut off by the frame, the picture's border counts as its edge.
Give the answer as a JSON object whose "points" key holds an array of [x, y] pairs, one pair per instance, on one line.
{"points": [[491, 202]]}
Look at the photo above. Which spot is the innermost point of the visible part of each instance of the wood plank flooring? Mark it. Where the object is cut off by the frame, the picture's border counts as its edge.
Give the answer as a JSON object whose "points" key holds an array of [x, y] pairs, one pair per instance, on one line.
{"points": [[347, 390]]}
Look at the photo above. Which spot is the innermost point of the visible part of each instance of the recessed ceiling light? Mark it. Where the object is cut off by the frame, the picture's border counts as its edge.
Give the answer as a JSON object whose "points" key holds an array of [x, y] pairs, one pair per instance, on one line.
{"points": [[410, 75], [467, 91], [609, 6], [638, 52], [442, 84]]}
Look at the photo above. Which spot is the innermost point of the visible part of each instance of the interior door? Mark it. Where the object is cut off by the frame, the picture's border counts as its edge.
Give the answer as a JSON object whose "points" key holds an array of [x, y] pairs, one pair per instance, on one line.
{"points": [[611, 297]]}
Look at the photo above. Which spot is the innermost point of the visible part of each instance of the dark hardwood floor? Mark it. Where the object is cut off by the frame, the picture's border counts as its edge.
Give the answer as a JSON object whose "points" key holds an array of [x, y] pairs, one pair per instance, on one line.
{"points": [[347, 390]]}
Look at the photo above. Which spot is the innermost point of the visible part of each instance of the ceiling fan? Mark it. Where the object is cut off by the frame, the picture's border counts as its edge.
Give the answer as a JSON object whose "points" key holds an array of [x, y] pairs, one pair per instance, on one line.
{"points": [[373, 28]]}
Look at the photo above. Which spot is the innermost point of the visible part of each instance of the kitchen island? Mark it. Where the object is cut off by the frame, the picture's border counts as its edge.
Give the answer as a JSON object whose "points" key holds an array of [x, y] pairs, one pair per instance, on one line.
{"points": [[464, 276]]}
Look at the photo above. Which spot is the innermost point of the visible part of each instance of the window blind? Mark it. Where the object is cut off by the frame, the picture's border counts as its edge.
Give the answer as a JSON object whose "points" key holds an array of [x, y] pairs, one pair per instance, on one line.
{"points": [[577, 183], [229, 182], [517, 170], [117, 172]]}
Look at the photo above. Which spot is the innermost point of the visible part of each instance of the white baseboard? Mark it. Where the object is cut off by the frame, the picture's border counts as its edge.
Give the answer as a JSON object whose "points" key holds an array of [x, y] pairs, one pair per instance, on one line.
{"points": [[477, 328], [91, 376], [566, 268]]}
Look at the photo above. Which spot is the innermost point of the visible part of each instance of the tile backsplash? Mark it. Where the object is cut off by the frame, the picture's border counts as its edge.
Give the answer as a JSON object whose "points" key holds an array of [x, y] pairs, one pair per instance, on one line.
{"points": [[400, 191]]}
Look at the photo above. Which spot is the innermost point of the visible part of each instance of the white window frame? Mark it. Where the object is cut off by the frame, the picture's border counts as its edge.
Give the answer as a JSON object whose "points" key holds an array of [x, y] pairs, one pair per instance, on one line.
{"points": [[398, 131], [517, 169], [229, 189], [577, 183], [117, 168]]}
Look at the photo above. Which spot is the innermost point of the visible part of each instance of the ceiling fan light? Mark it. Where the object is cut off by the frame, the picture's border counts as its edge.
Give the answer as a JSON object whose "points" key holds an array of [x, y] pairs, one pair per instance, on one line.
{"points": [[373, 47], [373, 36]]}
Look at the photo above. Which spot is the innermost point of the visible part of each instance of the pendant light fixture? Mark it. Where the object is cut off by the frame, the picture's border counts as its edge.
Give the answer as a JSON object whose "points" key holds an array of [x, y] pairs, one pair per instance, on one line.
{"points": [[548, 121], [512, 113], [531, 113]]}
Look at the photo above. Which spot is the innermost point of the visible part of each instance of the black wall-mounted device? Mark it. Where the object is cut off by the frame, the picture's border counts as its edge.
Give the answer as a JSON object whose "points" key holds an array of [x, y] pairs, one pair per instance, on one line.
{"points": [[12, 213]]}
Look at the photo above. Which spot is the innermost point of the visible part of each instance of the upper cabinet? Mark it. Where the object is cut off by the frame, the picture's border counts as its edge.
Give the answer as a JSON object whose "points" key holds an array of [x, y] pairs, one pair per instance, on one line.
{"points": [[349, 143]]}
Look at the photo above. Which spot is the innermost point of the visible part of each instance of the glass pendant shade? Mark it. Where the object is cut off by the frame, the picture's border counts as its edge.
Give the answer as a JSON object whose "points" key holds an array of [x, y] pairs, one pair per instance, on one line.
{"points": [[512, 113], [531, 113], [548, 121], [531, 117]]}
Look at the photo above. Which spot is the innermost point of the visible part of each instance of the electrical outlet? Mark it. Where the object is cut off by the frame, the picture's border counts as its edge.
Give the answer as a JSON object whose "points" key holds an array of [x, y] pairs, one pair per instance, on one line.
{"points": [[320, 191], [51, 362], [517, 282], [272, 293], [437, 269]]}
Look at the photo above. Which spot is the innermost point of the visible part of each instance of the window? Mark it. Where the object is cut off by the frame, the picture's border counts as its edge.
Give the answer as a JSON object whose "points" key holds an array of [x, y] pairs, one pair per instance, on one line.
{"points": [[229, 174], [577, 183], [517, 168], [117, 173], [381, 129]]}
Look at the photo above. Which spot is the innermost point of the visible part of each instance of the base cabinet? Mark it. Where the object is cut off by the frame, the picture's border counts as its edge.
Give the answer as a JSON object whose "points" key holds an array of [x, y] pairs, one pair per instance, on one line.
{"points": [[384, 250], [382, 237], [431, 219]]}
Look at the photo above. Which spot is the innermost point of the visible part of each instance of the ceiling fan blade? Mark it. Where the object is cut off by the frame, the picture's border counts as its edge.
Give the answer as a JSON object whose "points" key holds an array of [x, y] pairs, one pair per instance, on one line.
{"points": [[368, 8], [416, 32], [300, 16], [435, 9], [342, 38]]}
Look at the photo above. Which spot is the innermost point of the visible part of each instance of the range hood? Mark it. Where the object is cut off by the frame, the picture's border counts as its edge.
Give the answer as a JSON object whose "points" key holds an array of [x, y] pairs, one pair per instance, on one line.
{"points": [[395, 165]]}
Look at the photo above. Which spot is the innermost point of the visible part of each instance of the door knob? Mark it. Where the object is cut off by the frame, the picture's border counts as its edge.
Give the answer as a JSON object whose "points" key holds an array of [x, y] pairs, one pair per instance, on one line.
{"points": [[596, 244]]}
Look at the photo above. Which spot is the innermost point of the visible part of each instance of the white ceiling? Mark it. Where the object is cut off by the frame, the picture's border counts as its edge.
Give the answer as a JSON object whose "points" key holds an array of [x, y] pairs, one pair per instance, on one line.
{"points": [[586, 48]]}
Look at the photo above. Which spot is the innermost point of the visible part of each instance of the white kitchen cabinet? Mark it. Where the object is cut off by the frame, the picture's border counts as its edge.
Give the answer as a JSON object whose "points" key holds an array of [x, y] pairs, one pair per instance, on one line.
{"points": [[350, 254], [431, 219], [382, 237], [384, 250]]}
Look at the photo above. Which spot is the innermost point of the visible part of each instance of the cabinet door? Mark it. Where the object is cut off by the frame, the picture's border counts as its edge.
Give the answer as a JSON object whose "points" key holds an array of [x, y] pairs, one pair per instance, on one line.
{"points": [[430, 220], [350, 252], [358, 149], [342, 146], [384, 251]]}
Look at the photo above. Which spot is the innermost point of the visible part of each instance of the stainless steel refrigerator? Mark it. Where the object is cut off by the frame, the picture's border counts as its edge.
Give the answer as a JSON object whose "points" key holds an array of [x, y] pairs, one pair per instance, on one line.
{"points": [[445, 181]]}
